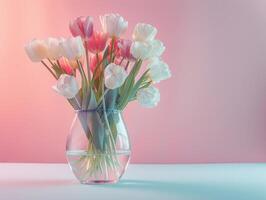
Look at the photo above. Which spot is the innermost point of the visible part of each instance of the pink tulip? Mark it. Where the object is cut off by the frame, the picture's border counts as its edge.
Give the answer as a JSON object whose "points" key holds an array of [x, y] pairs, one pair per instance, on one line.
{"points": [[124, 49], [97, 42], [115, 51], [82, 26], [115, 46], [94, 61], [65, 65]]}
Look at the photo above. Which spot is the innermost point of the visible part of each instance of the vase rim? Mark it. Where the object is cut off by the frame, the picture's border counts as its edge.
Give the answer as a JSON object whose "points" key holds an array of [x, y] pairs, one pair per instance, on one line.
{"points": [[95, 110]]}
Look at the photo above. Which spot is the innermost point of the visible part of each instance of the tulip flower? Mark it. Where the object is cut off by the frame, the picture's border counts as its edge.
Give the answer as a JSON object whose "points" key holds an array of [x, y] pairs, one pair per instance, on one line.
{"points": [[114, 49], [67, 86], [82, 26], [108, 58], [72, 48], [124, 49], [114, 76], [113, 24], [74, 64], [148, 97], [157, 48], [159, 70], [97, 42], [144, 32], [54, 48], [66, 66], [141, 50], [94, 61], [37, 50]]}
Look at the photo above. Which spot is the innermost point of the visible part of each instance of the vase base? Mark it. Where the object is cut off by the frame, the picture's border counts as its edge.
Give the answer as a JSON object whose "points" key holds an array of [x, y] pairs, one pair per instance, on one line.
{"points": [[93, 169], [99, 182]]}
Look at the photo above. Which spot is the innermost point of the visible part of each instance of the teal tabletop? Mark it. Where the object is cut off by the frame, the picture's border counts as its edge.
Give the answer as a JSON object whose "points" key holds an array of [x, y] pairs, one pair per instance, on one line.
{"points": [[149, 181]]}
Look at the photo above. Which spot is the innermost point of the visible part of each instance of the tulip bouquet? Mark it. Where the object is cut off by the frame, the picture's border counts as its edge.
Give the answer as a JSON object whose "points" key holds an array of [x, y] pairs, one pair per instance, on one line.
{"points": [[101, 71]]}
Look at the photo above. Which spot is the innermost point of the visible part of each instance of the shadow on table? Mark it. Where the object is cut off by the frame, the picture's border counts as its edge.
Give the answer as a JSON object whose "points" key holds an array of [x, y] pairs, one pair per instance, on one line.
{"points": [[193, 189]]}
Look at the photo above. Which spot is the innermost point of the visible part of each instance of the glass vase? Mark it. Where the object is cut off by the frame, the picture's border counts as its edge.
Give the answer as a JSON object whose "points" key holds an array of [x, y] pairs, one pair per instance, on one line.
{"points": [[98, 146]]}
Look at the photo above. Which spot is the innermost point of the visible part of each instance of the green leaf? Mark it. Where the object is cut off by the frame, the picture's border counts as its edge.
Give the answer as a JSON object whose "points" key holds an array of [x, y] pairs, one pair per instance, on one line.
{"points": [[126, 88], [97, 129], [110, 99], [143, 85], [73, 104], [92, 100], [141, 80], [105, 58], [97, 78]]}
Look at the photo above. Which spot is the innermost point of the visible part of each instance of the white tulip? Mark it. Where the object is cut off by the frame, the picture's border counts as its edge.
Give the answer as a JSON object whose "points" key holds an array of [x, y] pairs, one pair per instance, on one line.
{"points": [[54, 48], [67, 86], [148, 97], [141, 50], [37, 50], [114, 76], [157, 48], [72, 48], [144, 32], [113, 24], [159, 70]]}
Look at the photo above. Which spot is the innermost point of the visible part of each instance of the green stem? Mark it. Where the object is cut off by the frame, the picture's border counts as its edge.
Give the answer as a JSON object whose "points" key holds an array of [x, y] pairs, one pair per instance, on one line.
{"points": [[87, 62], [112, 47], [58, 63], [97, 68], [82, 71], [128, 85], [114, 55], [77, 102], [106, 119], [49, 69], [127, 65], [51, 62], [101, 98], [97, 58], [84, 84], [121, 61]]}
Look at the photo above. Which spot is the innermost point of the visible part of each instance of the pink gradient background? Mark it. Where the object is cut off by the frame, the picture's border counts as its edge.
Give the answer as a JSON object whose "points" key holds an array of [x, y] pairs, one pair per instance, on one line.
{"points": [[212, 110]]}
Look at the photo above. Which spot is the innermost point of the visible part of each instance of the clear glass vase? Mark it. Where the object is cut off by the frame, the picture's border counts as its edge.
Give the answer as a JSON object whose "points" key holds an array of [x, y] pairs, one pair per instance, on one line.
{"points": [[98, 146]]}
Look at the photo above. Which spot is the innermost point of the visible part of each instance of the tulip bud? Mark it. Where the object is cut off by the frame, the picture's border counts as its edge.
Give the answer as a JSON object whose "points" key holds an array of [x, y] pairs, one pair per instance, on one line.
{"points": [[144, 32], [148, 97], [72, 48], [82, 26], [54, 48], [113, 24], [65, 65], [141, 50], [97, 42], [114, 76], [159, 71], [67, 86], [124, 49], [157, 48], [37, 50]]}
